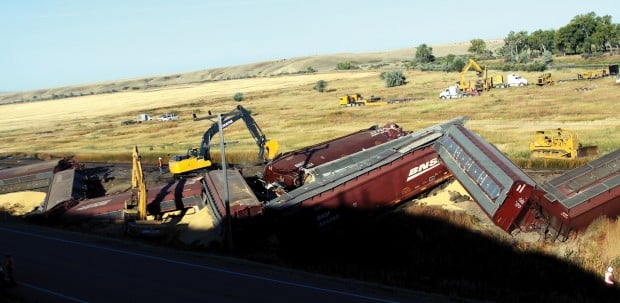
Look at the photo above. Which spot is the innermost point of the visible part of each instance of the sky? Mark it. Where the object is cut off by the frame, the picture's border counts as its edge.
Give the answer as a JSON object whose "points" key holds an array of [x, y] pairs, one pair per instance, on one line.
{"points": [[53, 43]]}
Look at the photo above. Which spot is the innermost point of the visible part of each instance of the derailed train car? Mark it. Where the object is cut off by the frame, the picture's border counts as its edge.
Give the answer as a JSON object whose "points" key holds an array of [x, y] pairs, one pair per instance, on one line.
{"points": [[516, 202], [287, 170], [376, 178]]}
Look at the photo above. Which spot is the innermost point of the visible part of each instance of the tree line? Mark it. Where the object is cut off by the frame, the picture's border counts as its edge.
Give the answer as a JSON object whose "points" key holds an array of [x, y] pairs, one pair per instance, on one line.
{"points": [[585, 35]]}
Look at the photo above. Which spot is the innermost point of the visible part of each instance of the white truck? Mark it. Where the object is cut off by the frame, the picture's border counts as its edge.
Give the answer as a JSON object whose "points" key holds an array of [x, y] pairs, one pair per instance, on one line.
{"points": [[455, 92], [143, 117], [451, 92], [515, 80]]}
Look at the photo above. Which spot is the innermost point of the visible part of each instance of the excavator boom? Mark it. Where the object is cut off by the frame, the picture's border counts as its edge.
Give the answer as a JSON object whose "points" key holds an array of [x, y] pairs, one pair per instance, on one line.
{"points": [[199, 159]]}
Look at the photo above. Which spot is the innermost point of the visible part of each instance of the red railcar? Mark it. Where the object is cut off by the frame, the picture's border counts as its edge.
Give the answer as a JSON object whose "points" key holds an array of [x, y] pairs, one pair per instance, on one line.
{"points": [[500, 188], [182, 194], [287, 169], [375, 178], [36, 176], [241, 199], [514, 201], [573, 200]]}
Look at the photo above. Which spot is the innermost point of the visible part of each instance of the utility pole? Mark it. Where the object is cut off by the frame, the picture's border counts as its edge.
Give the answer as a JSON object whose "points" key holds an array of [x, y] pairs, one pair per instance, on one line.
{"points": [[228, 223]]}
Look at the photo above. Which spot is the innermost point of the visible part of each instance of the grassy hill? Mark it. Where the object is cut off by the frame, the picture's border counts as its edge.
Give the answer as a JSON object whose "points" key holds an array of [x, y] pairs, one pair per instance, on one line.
{"points": [[321, 63]]}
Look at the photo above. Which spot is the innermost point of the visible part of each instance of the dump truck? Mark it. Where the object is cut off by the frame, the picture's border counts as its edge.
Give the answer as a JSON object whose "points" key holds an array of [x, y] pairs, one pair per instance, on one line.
{"points": [[559, 144]]}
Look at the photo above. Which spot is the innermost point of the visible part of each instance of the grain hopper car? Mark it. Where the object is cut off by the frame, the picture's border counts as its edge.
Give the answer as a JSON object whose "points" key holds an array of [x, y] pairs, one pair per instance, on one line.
{"points": [[286, 171], [179, 195], [378, 177], [573, 200], [35, 177], [515, 202]]}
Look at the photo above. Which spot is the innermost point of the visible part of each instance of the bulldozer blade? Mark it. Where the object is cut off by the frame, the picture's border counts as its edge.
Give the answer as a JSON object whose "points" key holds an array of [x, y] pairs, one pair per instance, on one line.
{"points": [[587, 151]]}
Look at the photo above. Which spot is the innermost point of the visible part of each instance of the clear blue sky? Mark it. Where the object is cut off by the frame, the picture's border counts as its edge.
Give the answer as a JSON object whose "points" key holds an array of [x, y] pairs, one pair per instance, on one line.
{"points": [[46, 44]]}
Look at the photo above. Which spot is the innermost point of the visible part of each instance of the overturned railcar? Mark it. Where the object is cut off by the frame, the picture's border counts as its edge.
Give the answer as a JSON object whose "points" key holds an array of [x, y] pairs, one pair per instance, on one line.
{"points": [[499, 187], [573, 200], [179, 195], [286, 171], [375, 178], [35, 177], [516, 202]]}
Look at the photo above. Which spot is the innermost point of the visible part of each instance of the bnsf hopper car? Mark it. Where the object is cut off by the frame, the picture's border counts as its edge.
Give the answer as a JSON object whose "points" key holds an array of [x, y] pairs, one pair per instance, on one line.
{"points": [[286, 171], [379, 177]]}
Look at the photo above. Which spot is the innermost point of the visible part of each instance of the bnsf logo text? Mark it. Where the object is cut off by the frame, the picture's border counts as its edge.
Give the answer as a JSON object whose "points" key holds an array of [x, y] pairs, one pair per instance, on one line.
{"points": [[420, 169]]}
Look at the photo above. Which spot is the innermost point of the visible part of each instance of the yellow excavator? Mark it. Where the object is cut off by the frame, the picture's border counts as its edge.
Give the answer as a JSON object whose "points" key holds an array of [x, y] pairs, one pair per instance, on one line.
{"points": [[135, 206], [135, 214], [559, 144], [480, 85], [198, 159]]}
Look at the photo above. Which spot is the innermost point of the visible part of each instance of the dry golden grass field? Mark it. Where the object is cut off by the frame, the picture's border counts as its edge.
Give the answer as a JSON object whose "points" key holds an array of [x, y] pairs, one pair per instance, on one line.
{"points": [[290, 111]]}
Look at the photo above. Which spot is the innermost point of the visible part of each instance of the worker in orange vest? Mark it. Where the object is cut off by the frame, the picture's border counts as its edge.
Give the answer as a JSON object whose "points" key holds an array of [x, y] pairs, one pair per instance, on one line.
{"points": [[609, 277], [160, 164]]}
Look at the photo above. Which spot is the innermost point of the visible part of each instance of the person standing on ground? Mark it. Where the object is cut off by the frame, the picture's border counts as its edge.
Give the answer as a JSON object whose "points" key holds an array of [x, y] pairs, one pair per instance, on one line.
{"points": [[609, 277], [160, 164], [9, 267]]}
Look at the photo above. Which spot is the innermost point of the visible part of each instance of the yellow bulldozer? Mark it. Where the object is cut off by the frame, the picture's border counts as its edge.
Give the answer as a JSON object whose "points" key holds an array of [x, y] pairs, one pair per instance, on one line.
{"points": [[545, 79], [559, 144]]}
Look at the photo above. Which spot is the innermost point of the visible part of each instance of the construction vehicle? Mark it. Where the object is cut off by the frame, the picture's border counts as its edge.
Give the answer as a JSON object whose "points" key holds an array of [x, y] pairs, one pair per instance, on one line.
{"points": [[545, 79], [559, 144], [135, 212], [198, 159], [358, 100], [593, 74], [479, 85], [509, 81]]}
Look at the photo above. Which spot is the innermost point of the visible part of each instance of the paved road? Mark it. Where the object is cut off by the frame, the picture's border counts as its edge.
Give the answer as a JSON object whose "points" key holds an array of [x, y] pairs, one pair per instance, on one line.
{"points": [[58, 266]]}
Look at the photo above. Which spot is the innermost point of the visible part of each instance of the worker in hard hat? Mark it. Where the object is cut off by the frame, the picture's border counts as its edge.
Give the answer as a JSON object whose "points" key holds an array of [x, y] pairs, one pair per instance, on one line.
{"points": [[160, 164], [609, 277]]}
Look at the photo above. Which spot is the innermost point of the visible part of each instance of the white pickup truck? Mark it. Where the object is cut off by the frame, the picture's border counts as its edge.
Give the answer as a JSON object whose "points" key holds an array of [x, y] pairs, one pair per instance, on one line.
{"points": [[168, 117]]}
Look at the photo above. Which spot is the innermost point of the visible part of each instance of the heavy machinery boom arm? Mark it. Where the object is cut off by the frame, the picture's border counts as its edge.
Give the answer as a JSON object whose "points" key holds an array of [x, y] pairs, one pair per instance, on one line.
{"points": [[228, 119]]}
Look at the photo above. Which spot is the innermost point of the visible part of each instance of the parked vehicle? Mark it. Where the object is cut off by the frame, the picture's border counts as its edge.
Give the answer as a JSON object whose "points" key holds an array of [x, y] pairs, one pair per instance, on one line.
{"points": [[168, 117], [143, 117], [454, 92]]}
